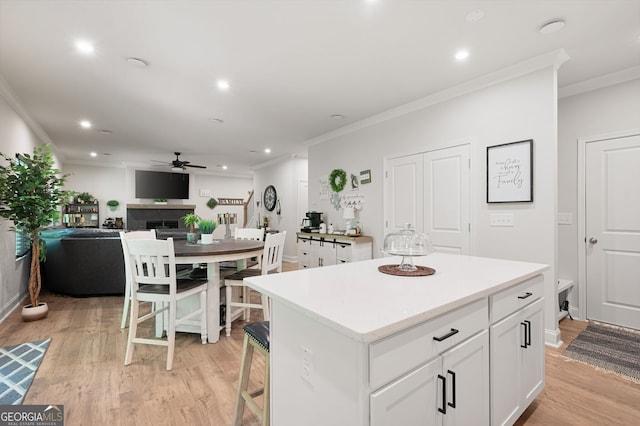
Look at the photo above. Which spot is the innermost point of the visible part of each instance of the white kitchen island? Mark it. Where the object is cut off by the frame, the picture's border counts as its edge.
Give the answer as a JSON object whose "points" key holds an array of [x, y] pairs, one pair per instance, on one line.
{"points": [[353, 346]]}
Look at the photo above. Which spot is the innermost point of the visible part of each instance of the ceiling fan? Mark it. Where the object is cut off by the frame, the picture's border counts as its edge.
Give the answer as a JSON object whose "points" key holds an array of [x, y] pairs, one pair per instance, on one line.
{"points": [[178, 164]]}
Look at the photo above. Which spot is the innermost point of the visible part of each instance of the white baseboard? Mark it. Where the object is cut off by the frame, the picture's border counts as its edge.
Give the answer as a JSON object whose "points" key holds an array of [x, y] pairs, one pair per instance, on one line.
{"points": [[552, 338], [12, 304], [293, 259]]}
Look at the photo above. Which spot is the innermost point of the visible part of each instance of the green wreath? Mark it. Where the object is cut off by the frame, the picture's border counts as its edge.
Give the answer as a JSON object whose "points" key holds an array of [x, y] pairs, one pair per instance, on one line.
{"points": [[337, 180]]}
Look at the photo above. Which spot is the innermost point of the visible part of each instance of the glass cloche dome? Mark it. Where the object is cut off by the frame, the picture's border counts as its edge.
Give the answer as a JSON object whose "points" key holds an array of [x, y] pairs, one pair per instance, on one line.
{"points": [[407, 243]]}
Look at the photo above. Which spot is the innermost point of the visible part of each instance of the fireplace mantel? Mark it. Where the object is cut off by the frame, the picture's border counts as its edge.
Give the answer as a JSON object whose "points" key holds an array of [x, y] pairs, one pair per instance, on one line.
{"points": [[162, 206]]}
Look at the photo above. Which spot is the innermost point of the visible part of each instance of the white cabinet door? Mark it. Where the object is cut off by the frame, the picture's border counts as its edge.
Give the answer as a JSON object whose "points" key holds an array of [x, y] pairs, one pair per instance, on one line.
{"points": [[532, 363], [326, 253], [453, 389], [517, 363], [410, 400], [506, 338], [466, 369]]}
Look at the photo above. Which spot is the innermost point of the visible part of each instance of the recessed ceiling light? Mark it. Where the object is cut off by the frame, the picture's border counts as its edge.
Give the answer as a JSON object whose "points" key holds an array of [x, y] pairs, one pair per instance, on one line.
{"points": [[475, 15], [552, 27], [83, 46], [94, 154], [137, 62], [267, 150], [337, 116], [223, 85], [85, 124], [224, 167], [461, 55]]}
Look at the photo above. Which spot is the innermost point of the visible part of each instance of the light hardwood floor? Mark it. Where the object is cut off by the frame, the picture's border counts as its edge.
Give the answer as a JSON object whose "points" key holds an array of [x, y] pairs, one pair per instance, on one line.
{"points": [[83, 370]]}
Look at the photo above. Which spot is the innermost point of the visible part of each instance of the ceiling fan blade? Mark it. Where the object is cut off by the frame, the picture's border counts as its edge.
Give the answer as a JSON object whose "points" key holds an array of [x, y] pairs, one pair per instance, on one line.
{"points": [[179, 164]]}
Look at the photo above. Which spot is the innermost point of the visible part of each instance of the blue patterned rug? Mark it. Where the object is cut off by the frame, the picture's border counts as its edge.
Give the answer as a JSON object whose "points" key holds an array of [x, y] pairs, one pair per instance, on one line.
{"points": [[18, 366]]}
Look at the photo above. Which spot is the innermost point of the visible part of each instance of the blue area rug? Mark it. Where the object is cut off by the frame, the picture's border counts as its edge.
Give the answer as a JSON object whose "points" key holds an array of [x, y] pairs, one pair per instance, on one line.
{"points": [[18, 366]]}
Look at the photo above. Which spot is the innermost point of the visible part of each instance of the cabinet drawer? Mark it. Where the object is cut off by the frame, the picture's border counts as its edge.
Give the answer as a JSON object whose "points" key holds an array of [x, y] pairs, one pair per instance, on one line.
{"points": [[304, 243], [304, 257], [511, 299], [395, 355], [343, 252]]}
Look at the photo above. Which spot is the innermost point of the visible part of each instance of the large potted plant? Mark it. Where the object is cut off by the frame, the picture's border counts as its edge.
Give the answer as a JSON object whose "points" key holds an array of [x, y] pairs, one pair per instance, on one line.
{"points": [[30, 196]]}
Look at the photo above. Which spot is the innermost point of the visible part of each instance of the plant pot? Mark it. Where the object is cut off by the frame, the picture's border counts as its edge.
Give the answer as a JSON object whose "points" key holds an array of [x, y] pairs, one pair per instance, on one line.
{"points": [[192, 238], [29, 313], [206, 238]]}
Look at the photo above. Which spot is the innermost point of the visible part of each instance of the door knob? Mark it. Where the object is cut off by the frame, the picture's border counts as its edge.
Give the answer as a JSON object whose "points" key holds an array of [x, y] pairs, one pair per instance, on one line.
{"points": [[593, 240]]}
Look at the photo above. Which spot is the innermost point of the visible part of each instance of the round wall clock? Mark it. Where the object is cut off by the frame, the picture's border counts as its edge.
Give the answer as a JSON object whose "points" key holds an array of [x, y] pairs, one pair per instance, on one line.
{"points": [[270, 198]]}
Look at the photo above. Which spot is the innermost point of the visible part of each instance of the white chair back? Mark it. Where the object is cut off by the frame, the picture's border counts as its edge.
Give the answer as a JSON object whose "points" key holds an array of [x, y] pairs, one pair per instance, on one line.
{"points": [[152, 262], [273, 252], [133, 235], [249, 234]]}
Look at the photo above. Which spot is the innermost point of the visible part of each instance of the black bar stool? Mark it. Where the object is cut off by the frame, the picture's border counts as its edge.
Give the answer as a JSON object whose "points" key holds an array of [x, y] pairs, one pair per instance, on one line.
{"points": [[256, 335]]}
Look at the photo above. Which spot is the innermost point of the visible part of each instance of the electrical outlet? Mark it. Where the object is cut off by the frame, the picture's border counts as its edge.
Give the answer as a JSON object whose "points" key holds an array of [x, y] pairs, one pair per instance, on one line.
{"points": [[502, 219], [307, 364]]}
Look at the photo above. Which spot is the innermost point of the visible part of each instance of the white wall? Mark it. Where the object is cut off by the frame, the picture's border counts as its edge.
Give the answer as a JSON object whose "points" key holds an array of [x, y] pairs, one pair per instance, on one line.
{"points": [[284, 176], [106, 183], [604, 111], [15, 136], [514, 110]]}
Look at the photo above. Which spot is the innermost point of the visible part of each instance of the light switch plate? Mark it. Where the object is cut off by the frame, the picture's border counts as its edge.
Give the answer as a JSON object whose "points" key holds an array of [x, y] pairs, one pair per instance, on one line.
{"points": [[501, 219], [565, 218], [205, 193]]}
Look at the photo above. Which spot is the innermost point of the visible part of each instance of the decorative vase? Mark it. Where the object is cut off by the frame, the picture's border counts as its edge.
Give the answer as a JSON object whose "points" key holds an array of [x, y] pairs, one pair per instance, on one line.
{"points": [[29, 313], [206, 238], [192, 238]]}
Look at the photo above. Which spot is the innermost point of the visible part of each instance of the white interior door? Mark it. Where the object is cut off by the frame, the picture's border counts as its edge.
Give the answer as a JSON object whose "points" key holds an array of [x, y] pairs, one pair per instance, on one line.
{"points": [[613, 230], [404, 193], [446, 199], [303, 200]]}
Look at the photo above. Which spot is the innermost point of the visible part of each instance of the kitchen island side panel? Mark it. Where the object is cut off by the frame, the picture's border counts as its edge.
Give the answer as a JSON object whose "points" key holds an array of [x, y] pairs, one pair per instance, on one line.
{"points": [[331, 393]]}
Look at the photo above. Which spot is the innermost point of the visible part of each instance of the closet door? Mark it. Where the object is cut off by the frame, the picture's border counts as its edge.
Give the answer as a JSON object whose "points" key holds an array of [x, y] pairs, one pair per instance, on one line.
{"points": [[404, 193], [447, 199]]}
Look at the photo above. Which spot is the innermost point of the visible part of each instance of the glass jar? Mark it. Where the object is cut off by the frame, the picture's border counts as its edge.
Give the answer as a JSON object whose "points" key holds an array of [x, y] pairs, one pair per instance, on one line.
{"points": [[407, 243]]}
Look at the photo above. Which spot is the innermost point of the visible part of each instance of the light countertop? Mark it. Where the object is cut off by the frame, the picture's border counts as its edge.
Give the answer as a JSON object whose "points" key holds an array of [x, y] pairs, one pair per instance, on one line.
{"points": [[360, 239], [365, 304]]}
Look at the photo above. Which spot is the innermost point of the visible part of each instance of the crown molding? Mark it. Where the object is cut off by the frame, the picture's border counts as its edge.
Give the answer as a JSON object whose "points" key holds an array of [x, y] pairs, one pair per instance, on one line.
{"points": [[7, 93], [600, 82], [553, 59]]}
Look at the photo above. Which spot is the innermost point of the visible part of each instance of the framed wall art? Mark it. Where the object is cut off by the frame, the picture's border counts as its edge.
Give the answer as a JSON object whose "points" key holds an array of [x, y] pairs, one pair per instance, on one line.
{"points": [[510, 172]]}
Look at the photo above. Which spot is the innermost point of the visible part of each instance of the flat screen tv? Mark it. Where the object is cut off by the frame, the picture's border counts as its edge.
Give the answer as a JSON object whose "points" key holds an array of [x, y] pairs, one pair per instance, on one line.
{"points": [[162, 185]]}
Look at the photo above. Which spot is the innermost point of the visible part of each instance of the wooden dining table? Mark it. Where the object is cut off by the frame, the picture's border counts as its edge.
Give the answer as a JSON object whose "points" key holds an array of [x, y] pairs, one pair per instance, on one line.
{"points": [[212, 254]]}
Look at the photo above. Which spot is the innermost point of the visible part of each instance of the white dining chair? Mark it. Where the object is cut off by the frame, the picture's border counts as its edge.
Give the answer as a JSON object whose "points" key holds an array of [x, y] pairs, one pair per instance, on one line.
{"points": [[271, 262], [249, 233], [152, 266], [138, 235]]}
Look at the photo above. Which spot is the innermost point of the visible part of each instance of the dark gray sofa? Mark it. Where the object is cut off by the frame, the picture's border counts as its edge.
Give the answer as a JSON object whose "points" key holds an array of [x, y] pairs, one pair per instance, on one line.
{"points": [[88, 262], [83, 262]]}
